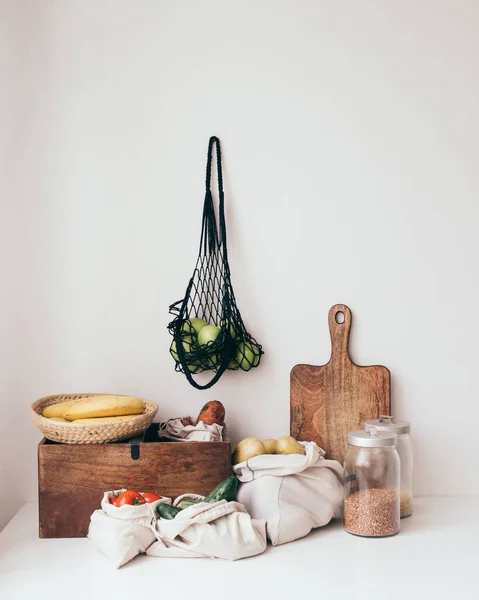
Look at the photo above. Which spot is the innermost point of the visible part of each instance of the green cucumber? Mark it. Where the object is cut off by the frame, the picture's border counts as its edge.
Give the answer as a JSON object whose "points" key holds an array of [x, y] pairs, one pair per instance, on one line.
{"points": [[186, 504], [167, 511], [226, 490]]}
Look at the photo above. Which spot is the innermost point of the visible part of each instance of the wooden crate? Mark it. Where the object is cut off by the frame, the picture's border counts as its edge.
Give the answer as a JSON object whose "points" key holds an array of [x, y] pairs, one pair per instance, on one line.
{"points": [[73, 477]]}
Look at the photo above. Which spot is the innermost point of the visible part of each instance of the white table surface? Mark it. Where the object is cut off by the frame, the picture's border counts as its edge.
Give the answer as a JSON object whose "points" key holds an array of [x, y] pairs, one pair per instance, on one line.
{"points": [[435, 556]]}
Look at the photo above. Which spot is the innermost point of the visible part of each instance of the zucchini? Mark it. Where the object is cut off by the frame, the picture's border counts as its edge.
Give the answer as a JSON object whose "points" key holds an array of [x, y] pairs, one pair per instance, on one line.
{"points": [[226, 490], [186, 504], [166, 511]]}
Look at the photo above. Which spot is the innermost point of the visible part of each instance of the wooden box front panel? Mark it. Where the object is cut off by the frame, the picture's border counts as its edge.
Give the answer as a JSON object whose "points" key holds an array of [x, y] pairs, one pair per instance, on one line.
{"points": [[73, 478]]}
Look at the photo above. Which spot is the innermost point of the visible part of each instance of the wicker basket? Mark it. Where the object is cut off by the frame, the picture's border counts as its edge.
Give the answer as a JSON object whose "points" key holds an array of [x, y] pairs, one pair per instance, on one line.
{"points": [[83, 433]]}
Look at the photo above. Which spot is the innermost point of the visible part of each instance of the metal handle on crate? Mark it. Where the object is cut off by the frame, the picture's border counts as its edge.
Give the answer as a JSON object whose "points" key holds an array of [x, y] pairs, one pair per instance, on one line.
{"points": [[135, 445]]}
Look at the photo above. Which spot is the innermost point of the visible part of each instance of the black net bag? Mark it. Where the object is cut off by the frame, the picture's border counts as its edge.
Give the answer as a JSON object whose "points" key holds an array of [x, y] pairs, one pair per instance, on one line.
{"points": [[208, 331]]}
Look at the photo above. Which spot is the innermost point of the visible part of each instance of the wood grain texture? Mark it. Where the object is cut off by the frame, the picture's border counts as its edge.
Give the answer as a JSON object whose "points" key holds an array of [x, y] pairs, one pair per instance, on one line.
{"points": [[72, 478], [329, 401]]}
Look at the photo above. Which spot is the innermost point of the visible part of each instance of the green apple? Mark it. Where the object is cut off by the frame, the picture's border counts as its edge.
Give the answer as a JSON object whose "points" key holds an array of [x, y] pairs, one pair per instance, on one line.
{"points": [[187, 342], [188, 346], [224, 324], [247, 355], [208, 334], [233, 365], [195, 367], [193, 326]]}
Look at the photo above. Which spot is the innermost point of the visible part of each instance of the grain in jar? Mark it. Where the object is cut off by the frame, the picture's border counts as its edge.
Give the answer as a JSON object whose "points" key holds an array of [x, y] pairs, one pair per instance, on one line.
{"points": [[404, 448], [372, 484]]}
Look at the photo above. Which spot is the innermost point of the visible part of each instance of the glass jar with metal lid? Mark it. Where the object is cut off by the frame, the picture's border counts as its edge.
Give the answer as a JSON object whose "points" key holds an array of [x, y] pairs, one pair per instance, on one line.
{"points": [[371, 484], [404, 448]]}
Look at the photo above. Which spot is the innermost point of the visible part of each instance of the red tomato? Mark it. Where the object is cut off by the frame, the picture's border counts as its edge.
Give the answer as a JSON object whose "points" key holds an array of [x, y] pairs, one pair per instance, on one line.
{"points": [[112, 500], [150, 497], [129, 497]]}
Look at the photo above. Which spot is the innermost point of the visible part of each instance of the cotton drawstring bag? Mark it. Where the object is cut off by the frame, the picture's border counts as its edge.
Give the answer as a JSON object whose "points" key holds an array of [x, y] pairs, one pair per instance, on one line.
{"points": [[201, 432], [293, 493], [209, 530], [121, 533]]}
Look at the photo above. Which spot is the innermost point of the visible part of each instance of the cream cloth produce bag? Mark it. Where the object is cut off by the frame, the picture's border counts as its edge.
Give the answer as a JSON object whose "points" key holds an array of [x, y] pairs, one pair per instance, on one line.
{"points": [[123, 533], [193, 433], [210, 530], [292, 493]]}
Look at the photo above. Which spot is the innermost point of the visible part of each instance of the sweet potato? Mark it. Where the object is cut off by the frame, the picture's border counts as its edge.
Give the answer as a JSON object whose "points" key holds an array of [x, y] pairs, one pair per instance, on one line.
{"points": [[212, 412]]}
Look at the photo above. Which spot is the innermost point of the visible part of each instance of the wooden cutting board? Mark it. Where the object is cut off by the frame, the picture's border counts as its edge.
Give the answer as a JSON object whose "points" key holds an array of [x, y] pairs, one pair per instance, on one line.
{"points": [[329, 401]]}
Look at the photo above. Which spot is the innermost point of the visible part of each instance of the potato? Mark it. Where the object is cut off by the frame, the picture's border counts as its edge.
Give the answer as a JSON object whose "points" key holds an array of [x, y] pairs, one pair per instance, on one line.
{"points": [[288, 445], [270, 446], [212, 412], [248, 448]]}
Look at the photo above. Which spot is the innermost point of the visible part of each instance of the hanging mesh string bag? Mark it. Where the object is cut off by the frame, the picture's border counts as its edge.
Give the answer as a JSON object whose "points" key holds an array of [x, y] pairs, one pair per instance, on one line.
{"points": [[208, 331]]}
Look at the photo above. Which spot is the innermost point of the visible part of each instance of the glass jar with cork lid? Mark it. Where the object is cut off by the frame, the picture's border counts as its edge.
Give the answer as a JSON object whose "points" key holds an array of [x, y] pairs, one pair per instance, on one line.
{"points": [[371, 484], [404, 448]]}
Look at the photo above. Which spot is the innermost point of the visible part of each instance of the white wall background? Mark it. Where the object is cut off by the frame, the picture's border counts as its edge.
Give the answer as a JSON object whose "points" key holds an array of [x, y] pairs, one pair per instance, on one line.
{"points": [[350, 134]]}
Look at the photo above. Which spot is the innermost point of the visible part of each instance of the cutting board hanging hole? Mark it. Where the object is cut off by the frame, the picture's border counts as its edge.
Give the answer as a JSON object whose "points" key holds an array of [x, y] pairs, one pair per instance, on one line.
{"points": [[340, 317]]}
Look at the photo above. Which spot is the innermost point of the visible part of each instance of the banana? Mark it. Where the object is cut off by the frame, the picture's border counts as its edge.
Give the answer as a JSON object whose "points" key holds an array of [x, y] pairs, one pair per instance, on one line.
{"points": [[57, 410], [95, 420], [104, 406]]}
